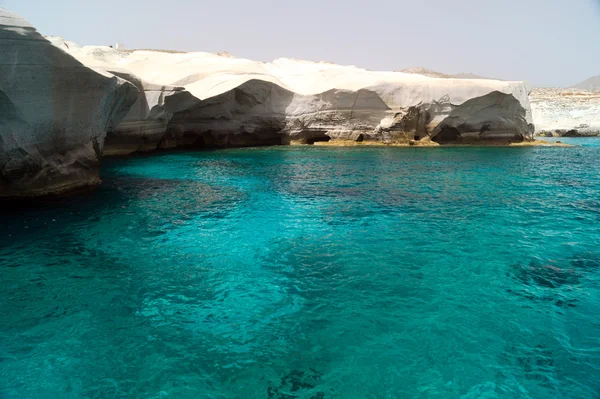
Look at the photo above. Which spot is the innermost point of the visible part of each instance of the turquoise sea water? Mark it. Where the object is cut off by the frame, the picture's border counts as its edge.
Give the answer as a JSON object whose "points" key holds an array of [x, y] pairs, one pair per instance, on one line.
{"points": [[576, 141], [311, 272]]}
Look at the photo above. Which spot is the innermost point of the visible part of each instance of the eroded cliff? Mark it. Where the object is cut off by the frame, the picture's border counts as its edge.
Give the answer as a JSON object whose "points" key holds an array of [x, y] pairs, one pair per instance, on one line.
{"points": [[239, 102], [63, 106], [54, 113]]}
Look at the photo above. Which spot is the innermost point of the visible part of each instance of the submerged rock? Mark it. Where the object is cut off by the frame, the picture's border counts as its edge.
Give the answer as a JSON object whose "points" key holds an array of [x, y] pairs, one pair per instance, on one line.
{"points": [[54, 113]]}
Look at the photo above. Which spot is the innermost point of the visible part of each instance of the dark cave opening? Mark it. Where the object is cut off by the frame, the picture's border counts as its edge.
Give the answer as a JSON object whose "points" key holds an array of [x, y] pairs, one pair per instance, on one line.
{"points": [[447, 134]]}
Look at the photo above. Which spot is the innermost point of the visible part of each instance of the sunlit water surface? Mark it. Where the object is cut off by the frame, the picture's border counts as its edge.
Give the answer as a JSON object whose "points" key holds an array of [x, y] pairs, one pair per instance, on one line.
{"points": [[311, 272]]}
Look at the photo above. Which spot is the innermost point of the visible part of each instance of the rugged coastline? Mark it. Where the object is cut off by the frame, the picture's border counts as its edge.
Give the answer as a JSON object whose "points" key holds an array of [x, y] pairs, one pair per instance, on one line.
{"points": [[538, 142], [569, 112], [54, 113], [96, 101]]}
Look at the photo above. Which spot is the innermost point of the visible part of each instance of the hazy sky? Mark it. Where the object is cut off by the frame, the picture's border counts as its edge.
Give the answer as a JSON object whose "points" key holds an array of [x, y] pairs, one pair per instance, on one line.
{"points": [[547, 42]]}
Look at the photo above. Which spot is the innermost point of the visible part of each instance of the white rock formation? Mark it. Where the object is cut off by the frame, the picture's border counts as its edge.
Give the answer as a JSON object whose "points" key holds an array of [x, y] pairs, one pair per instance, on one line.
{"points": [[54, 113], [146, 122], [242, 102], [566, 112], [556, 112]]}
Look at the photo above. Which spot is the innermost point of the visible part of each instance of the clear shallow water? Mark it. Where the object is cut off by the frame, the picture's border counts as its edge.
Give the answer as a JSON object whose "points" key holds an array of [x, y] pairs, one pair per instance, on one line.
{"points": [[576, 141], [311, 273]]}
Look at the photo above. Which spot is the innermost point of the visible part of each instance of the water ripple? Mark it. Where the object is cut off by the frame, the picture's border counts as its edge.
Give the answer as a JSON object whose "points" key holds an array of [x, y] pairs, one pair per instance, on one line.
{"points": [[310, 273]]}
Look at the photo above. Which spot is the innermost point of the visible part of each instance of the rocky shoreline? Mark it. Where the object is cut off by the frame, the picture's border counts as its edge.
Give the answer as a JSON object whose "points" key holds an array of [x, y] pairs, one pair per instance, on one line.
{"points": [[63, 107], [433, 144], [565, 112]]}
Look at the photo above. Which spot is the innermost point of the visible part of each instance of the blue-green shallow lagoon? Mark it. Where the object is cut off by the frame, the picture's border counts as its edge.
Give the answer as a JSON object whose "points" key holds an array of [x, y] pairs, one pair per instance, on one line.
{"points": [[310, 272]]}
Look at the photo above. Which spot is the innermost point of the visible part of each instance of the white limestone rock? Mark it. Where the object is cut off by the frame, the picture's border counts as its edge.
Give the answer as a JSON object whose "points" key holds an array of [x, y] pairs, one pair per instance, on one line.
{"points": [[54, 113], [145, 124], [242, 102], [566, 112], [495, 116]]}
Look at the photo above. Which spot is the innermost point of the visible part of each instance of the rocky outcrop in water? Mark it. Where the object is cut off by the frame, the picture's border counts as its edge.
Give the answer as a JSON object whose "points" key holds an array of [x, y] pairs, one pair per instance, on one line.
{"points": [[237, 102], [262, 113], [54, 113]]}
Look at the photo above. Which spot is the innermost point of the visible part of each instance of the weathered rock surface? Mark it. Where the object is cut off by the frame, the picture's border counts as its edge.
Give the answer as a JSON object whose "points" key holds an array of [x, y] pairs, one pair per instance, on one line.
{"points": [[238, 102], [262, 113], [566, 112], [145, 124], [556, 112], [496, 116], [54, 113]]}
